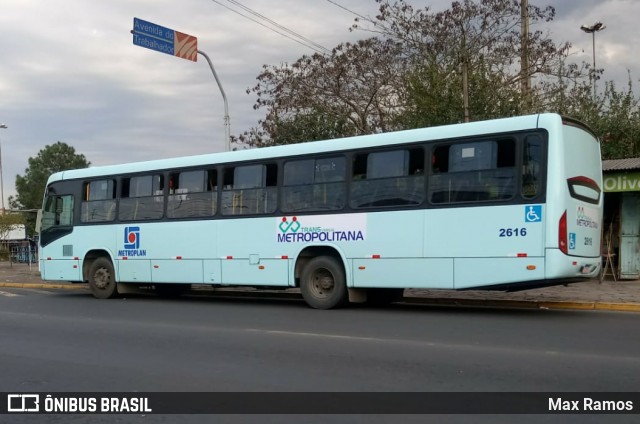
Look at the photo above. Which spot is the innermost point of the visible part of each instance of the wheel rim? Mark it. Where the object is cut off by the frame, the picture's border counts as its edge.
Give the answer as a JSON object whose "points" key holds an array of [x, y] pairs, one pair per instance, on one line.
{"points": [[322, 283], [102, 278]]}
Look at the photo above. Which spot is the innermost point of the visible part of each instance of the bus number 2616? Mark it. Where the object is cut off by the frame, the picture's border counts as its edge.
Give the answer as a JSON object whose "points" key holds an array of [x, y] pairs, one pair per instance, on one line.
{"points": [[513, 232]]}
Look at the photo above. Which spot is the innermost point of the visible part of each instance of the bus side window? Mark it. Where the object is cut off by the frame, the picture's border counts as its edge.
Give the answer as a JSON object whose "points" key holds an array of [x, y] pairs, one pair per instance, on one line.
{"points": [[476, 171], [142, 198], [388, 179], [99, 201], [314, 185], [250, 190], [192, 194]]}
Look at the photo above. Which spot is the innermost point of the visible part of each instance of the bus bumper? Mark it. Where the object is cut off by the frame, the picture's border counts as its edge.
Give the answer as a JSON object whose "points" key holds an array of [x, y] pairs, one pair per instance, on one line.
{"points": [[560, 266]]}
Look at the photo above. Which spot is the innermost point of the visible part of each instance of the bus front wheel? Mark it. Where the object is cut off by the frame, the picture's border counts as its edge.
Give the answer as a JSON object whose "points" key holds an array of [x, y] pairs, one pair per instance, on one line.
{"points": [[323, 283], [102, 279]]}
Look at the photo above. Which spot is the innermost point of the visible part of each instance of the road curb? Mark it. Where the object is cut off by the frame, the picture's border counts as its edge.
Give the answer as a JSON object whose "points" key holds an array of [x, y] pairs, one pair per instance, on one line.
{"points": [[44, 286], [526, 304], [502, 303]]}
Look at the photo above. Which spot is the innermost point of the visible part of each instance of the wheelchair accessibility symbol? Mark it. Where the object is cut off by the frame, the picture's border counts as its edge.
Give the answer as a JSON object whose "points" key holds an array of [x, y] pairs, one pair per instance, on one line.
{"points": [[533, 213]]}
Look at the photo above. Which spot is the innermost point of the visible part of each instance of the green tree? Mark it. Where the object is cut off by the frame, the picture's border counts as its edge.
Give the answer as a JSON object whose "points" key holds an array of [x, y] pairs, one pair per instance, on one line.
{"points": [[30, 187], [434, 97], [474, 47], [614, 115], [418, 67], [619, 124], [303, 126], [409, 74], [352, 91], [615, 118]]}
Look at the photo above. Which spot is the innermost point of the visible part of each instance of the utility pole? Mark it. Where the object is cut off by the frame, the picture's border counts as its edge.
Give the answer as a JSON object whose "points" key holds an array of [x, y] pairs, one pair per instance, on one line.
{"points": [[465, 76], [465, 89], [2, 126], [525, 78]]}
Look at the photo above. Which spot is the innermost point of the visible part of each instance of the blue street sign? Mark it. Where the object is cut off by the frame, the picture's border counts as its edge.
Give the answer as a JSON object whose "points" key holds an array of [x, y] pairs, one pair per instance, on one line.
{"points": [[153, 36], [152, 43], [142, 27], [164, 40]]}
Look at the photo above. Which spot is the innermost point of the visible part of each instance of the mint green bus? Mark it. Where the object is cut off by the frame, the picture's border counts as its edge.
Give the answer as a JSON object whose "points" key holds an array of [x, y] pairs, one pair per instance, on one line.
{"points": [[506, 204]]}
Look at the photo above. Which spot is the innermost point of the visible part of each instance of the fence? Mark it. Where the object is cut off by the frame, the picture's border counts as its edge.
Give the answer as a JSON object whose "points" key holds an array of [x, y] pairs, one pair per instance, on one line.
{"points": [[24, 254]]}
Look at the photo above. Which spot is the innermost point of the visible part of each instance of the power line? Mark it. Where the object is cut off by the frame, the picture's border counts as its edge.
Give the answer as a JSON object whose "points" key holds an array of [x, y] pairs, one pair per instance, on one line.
{"points": [[282, 27], [305, 41], [351, 11]]}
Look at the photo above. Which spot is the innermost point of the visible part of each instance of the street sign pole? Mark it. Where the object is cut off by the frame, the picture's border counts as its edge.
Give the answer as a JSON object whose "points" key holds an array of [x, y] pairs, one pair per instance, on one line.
{"points": [[227, 129], [175, 43]]}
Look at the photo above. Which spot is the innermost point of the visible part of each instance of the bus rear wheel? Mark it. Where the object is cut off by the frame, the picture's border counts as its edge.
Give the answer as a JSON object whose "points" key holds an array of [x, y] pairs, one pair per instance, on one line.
{"points": [[323, 283], [102, 279]]}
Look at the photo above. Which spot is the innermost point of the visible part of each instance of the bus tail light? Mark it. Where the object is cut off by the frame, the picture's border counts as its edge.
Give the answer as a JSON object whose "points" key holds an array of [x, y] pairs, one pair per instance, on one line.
{"points": [[562, 234]]}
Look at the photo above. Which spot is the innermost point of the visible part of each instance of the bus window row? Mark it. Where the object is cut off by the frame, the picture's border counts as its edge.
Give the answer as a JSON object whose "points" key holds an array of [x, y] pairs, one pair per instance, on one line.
{"points": [[475, 171]]}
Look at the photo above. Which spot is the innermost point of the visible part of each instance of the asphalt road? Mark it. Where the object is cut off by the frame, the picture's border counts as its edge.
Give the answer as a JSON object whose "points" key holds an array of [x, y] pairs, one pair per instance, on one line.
{"points": [[54, 341]]}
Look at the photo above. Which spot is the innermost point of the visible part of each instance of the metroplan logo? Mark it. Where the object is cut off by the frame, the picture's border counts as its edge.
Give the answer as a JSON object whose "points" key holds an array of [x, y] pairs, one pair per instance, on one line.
{"points": [[131, 243], [132, 237]]}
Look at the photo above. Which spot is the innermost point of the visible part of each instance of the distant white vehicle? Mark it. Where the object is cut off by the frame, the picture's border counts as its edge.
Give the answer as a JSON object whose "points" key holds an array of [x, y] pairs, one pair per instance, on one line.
{"points": [[17, 232]]}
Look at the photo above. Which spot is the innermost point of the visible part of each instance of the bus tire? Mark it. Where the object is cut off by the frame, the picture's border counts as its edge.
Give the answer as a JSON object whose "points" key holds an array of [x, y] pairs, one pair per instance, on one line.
{"points": [[102, 280], [323, 283]]}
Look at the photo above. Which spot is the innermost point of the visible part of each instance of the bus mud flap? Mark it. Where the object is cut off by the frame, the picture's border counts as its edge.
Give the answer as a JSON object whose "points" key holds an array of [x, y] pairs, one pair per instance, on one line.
{"points": [[357, 295]]}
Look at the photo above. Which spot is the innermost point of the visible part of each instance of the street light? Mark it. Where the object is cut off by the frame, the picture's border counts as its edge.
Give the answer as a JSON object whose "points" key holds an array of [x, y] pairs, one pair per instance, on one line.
{"points": [[4, 127], [598, 26], [227, 128]]}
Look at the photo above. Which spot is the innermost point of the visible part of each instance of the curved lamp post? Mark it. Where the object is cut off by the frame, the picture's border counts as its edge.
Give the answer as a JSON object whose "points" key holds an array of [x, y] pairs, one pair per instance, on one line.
{"points": [[592, 29]]}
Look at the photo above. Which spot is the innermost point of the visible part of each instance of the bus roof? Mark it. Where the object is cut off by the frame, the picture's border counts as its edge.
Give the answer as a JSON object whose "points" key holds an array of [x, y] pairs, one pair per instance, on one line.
{"points": [[301, 149]]}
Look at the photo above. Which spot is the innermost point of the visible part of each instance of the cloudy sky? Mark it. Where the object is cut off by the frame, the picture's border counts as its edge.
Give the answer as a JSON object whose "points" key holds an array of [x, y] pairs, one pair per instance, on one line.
{"points": [[70, 72]]}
